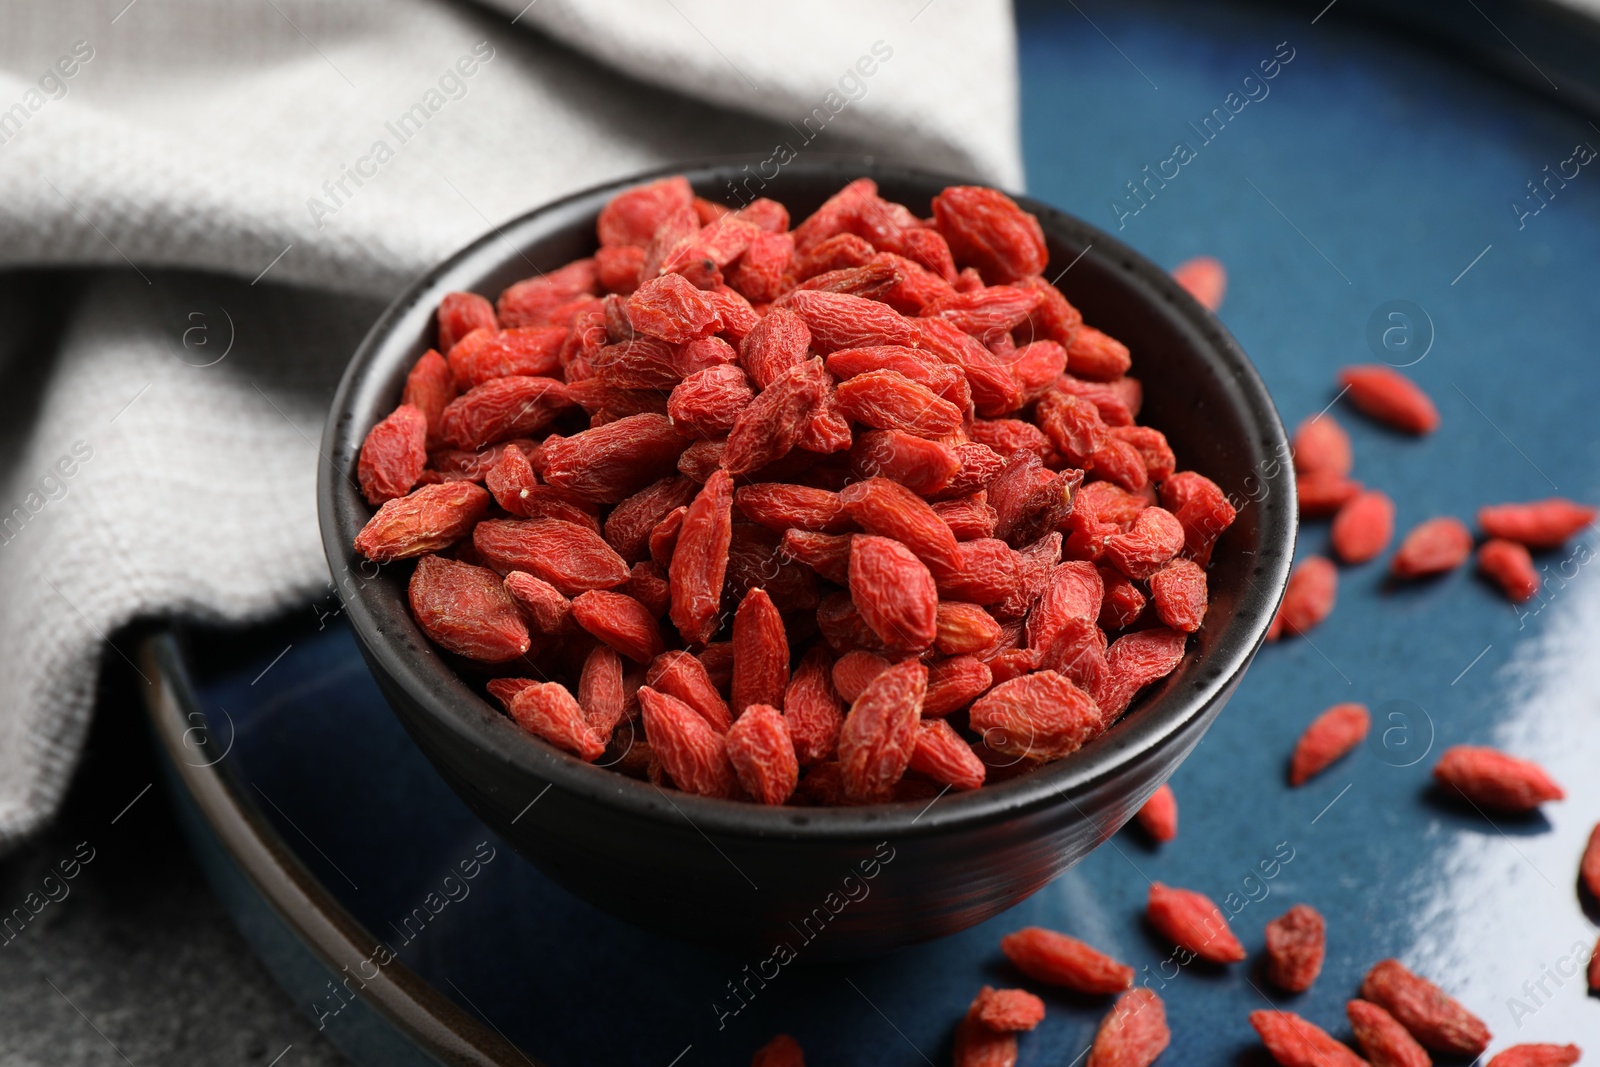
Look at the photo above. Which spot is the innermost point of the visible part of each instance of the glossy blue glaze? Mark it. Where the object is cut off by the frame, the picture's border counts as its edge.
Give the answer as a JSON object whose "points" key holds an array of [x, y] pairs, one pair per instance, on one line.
{"points": [[1370, 172]]}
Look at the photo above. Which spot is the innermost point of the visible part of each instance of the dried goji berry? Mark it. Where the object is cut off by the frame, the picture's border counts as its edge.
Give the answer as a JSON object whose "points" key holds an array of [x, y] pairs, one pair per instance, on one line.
{"points": [[466, 610], [1204, 278], [1133, 1033], [880, 732], [772, 424], [1432, 1016], [1589, 867], [761, 752], [1390, 397], [1363, 526], [1006, 436], [621, 622], [1309, 597], [1159, 815], [1039, 716], [853, 670], [501, 408], [691, 752], [681, 675], [544, 607], [1007, 1010], [628, 526], [781, 1051], [893, 591], [570, 557], [954, 683], [969, 517], [1330, 736], [1296, 942], [1048, 956], [995, 390], [619, 268], [988, 571], [632, 217], [700, 560], [429, 388], [1432, 547], [976, 1045], [1192, 922], [614, 461], [1295, 1042], [1536, 1056], [1134, 661], [1123, 601], [1073, 590], [784, 507], [549, 710], [1178, 591], [827, 554], [670, 308], [1322, 447], [760, 653], [1145, 547], [813, 709], [943, 755], [1201, 508], [484, 355], [838, 320], [963, 628], [393, 455], [1383, 1039], [922, 466], [986, 229], [600, 690], [1510, 566], [888, 400], [888, 509], [429, 518], [1539, 524], [1319, 494], [1489, 778], [461, 313], [1097, 356], [759, 272]]}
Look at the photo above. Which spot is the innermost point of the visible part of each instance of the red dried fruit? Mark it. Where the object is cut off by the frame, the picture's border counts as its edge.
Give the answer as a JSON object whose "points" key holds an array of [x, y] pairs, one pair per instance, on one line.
{"points": [[1309, 597], [542, 604], [1488, 778], [969, 517], [1048, 956], [854, 670], [632, 217], [812, 708], [839, 320], [1330, 736], [827, 554], [1432, 547], [466, 610], [671, 308], [501, 409], [1433, 1017], [781, 1051], [512, 482], [760, 653], [880, 732], [995, 390], [664, 538], [708, 402], [393, 455], [1192, 922], [1322, 447], [1133, 1033], [1201, 508], [1594, 969], [1363, 526], [619, 269], [1296, 943], [986, 229], [1152, 448], [628, 527], [1159, 816], [552, 299], [611, 462], [1134, 661], [988, 314], [1205, 279], [762, 754], [681, 675], [944, 756], [888, 400], [1073, 590], [978, 1046], [1007, 1010], [1390, 397], [888, 509], [691, 752], [954, 683], [621, 622], [570, 557], [1123, 601], [988, 571], [922, 466], [1179, 593], [1510, 566], [1145, 547], [963, 628], [1320, 495], [784, 507], [429, 388], [461, 313], [759, 273], [1097, 356], [893, 591], [1539, 524], [1040, 716], [1537, 1056], [1383, 1039], [770, 426], [601, 693], [1294, 1042], [484, 355], [1589, 868], [428, 519], [549, 710], [700, 561]]}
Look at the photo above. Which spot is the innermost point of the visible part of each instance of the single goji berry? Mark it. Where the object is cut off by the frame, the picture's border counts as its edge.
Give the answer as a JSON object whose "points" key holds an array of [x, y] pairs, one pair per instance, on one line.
{"points": [[893, 591], [1192, 922], [1510, 566], [570, 557], [707, 403], [484, 355], [1320, 494], [759, 273], [691, 752], [812, 708], [1040, 716], [1331, 736], [1133, 1033], [545, 608], [1536, 1056], [1589, 867], [986, 229], [762, 753], [612, 462], [1489, 778], [1201, 508], [839, 320], [888, 400], [1432, 1016], [684, 676], [1145, 547], [1390, 397], [943, 755], [600, 690], [1073, 590], [1362, 527], [1295, 1042], [429, 388], [781, 1051], [1123, 601], [1432, 547], [1159, 815], [760, 653], [1097, 356], [853, 670], [1204, 278], [393, 455], [1007, 1010], [549, 710], [466, 610], [628, 526], [784, 507], [1178, 591], [922, 466], [772, 424], [976, 1045], [827, 554], [621, 622], [1539, 524], [888, 509], [619, 268], [1048, 956], [1134, 661], [1310, 595], [502, 408], [632, 217], [880, 732], [427, 519], [954, 683], [700, 560], [1322, 447], [1296, 943], [969, 517], [1382, 1038]]}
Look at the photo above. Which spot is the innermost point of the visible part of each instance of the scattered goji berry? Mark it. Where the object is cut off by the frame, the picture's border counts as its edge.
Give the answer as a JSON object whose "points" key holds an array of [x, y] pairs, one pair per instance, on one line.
{"points": [[1589, 867], [1383, 1039], [1330, 736], [1510, 566], [1296, 943], [1205, 279], [1433, 1017], [1432, 547], [1322, 447], [1192, 922], [1296, 1042], [1048, 956], [1390, 397], [1008, 1010], [976, 1045], [781, 1051], [1133, 1033], [1159, 815], [1309, 597], [1536, 1056], [762, 753], [1539, 524], [1363, 527], [1489, 778]]}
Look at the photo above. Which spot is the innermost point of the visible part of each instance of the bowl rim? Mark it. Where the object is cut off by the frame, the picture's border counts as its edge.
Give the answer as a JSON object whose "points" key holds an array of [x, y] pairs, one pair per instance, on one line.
{"points": [[447, 699]]}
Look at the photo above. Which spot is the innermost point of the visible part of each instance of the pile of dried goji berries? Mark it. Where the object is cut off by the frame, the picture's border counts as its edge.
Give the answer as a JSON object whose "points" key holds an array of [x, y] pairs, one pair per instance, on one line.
{"points": [[875, 472]]}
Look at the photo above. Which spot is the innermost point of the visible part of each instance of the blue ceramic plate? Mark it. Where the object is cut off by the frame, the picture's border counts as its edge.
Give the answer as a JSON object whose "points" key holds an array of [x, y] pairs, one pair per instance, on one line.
{"points": [[1372, 200]]}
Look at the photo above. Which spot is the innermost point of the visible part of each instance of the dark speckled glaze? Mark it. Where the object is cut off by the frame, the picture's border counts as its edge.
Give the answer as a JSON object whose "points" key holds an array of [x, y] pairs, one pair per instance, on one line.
{"points": [[739, 875]]}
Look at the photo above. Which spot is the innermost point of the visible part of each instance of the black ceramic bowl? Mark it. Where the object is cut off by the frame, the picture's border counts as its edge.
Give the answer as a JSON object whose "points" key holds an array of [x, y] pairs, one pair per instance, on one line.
{"points": [[838, 881]]}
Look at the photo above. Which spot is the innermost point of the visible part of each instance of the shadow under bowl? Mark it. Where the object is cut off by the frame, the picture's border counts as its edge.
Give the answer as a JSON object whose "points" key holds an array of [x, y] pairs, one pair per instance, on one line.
{"points": [[828, 882]]}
